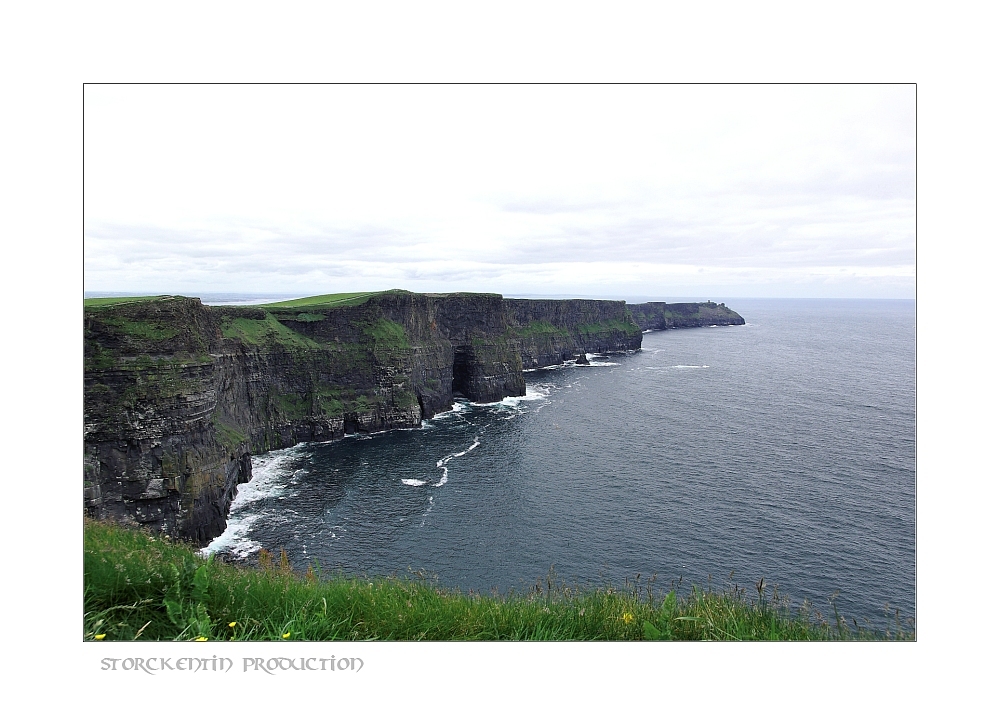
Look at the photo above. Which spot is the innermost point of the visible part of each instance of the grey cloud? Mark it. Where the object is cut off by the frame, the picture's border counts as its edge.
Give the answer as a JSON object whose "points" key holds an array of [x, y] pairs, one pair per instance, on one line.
{"points": [[819, 238], [137, 244]]}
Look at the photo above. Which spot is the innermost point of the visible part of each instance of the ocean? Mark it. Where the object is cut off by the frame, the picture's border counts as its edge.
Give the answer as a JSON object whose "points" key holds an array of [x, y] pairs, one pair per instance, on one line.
{"points": [[784, 449]]}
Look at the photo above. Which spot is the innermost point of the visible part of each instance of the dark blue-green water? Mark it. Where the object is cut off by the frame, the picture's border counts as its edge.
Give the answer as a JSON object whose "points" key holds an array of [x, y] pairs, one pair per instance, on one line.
{"points": [[782, 449]]}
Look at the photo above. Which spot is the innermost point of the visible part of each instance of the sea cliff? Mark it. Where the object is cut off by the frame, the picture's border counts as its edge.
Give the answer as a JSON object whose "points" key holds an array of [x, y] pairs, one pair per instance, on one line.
{"points": [[178, 395], [663, 316]]}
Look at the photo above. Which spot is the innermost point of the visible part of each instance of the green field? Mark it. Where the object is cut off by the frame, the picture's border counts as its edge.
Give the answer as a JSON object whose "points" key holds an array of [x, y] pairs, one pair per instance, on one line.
{"points": [[334, 300], [142, 587], [106, 301]]}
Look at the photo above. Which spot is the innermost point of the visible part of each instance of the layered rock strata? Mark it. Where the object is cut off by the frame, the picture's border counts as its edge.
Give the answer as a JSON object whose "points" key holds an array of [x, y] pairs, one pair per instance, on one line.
{"points": [[549, 332]]}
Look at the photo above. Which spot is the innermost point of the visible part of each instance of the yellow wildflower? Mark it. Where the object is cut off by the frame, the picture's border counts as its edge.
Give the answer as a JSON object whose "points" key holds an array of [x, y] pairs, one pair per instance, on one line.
{"points": [[286, 635], [232, 624], [201, 639], [98, 637], [628, 617]]}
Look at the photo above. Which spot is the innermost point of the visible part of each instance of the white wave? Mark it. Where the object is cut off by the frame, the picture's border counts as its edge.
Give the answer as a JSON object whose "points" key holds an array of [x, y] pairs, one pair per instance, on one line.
{"points": [[456, 409], [535, 392], [646, 331], [441, 463], [688, 367], [235, 539], [413, 482], [531, 393], [272, 473], [475, 444]]}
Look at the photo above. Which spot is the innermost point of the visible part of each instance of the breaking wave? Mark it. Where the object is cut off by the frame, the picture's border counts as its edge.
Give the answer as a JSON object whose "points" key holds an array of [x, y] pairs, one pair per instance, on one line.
{"points": [[273, 473]]}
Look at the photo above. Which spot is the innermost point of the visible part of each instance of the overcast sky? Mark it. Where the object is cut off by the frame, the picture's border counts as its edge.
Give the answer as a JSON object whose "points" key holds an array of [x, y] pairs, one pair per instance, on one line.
{"points": [[655, 192]]}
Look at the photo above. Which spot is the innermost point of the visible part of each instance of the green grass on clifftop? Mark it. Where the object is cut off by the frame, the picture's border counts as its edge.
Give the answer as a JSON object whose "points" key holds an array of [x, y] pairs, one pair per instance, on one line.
{"points": [[138, 586], [266, 331], [108, 301], [341, 299]]}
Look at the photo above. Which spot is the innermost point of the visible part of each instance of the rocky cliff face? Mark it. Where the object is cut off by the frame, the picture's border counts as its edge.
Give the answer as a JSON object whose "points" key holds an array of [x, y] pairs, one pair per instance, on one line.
{"points": [[152, 452], [549, 332], [663, 316], [178, 395]]}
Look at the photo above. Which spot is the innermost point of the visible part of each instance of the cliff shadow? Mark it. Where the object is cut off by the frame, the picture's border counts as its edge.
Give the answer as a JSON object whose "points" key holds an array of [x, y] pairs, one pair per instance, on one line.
{"points": [[463, 371]]}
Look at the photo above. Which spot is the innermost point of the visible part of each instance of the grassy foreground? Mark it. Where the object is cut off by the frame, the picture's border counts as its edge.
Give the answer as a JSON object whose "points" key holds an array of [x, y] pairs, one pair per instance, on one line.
{"points": [[138, 587]]}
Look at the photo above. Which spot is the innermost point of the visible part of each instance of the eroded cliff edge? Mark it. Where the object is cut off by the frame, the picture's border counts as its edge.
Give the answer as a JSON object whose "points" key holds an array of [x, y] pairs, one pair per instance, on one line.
{"points": [[178, 395]]}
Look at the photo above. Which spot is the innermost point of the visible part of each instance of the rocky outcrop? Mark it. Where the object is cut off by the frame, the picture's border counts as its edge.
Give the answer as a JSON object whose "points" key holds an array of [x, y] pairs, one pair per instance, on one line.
{"points": [[663, 316]]}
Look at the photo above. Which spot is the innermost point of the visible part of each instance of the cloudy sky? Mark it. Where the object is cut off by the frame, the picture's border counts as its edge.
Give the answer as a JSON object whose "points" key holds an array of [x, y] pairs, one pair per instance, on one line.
{"points": [[629, 192]]}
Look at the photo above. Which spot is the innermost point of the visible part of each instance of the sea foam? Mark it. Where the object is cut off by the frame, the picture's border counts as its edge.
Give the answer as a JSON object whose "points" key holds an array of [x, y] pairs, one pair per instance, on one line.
{"points": [[273, 473]]}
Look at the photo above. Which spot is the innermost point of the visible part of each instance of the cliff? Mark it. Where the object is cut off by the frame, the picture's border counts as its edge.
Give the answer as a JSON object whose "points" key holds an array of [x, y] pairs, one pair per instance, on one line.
{"points": [[177, 395], [549, 332], [663, 316]]}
